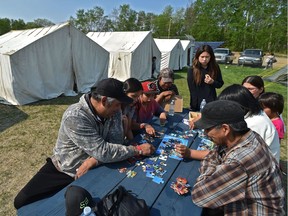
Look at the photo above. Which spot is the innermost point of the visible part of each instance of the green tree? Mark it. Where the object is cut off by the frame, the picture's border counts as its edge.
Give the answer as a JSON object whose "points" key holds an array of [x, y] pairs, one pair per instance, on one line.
{"points": [[37, 23], [91, 20], [144, 21], [125, 19], [162, 23], [5, 26], [18, 24]]}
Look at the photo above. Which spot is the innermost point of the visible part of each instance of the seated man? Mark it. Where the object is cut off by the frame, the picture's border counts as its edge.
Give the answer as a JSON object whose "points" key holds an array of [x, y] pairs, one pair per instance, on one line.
{"points": [[240, 176], [146, 107], [165, 87], [90, 129]]}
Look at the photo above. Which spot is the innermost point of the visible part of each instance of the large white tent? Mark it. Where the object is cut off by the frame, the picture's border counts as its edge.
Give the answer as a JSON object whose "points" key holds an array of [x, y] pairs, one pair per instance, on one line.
{"points": [[43, 63], [188, 48], [130, 53], [171, 53]]}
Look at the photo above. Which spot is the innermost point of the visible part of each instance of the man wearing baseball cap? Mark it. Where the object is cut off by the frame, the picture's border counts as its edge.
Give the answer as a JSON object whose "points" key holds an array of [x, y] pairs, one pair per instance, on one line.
{"points": [[240, 176], [165, 86], [91, 132]]}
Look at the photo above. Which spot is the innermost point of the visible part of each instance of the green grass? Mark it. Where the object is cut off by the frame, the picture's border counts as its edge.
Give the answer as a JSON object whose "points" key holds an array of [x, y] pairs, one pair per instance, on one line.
{"points": [[28, 133]]}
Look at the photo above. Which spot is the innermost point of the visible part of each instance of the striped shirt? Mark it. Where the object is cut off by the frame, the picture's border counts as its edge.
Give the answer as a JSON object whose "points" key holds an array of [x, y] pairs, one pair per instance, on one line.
{"points": [[243, 180]]}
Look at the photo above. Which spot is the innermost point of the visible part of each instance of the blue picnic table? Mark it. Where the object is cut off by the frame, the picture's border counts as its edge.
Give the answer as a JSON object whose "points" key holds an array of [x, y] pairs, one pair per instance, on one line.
{"points": [[161, 199]]}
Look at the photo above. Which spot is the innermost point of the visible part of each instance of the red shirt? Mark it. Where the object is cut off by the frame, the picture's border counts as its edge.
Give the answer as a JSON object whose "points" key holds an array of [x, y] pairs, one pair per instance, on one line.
{"points": [[144, 114]]}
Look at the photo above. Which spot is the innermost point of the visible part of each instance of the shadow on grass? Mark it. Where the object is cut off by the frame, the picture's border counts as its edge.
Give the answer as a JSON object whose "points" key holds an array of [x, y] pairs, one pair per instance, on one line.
{"points": [[61, 100], [10, 115]]}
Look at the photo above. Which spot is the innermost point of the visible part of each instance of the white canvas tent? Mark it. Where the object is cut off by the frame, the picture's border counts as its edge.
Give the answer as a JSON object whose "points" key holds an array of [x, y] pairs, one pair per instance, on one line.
{"points": [[186, 57], [44, 63], [130, 53], [171, 52]]}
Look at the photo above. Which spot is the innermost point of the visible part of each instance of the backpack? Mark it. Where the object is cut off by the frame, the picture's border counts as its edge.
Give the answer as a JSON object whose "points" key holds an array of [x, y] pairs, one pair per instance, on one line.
{"points": [[121, 203]]}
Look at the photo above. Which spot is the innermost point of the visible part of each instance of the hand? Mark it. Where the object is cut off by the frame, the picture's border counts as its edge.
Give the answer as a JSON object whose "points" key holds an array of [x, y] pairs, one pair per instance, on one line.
{"points": [[149, 130], [192, 121], [85, 166], [183, 150], [147, 149], [191, 125], [167, 95], [208, 79], [163, 117]]}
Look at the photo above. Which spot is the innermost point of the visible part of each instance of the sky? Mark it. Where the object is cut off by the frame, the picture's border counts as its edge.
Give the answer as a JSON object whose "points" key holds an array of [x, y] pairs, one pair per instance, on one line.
{"points": [[60, 10]]}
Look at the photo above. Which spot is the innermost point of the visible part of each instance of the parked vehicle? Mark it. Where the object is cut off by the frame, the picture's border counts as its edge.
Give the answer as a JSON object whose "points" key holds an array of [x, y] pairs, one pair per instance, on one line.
{"points": [[224, 55], [252, 57]]}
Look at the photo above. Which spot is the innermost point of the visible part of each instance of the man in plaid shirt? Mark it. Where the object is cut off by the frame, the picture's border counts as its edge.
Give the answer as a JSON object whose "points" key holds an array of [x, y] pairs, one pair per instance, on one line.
{"points": [[240, 176]]}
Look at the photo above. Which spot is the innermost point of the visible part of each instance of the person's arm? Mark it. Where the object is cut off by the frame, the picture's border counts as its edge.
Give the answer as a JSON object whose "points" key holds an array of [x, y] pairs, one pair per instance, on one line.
{"points": [[138, 126], [88, 164], [191, 153], [86, 136], [129, 134], [164, 97], [218, 82], [217, 182]]}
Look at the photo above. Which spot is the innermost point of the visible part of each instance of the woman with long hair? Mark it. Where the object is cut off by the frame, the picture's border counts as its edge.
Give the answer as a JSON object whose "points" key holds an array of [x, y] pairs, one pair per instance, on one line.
{"points": [[203, 77], [254, 84]]}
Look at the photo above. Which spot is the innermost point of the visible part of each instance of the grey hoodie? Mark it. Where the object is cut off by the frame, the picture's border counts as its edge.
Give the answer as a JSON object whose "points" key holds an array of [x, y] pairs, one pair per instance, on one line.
{"points": [[82, 134]]}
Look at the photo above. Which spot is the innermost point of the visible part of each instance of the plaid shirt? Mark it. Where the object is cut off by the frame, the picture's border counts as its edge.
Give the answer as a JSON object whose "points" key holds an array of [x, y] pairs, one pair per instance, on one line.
{"points": [[243, 180]]}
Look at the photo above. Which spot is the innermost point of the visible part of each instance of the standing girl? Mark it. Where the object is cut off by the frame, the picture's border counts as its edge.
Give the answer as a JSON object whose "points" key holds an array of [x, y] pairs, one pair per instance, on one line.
{"points": [[204, 77], [273, 105]]}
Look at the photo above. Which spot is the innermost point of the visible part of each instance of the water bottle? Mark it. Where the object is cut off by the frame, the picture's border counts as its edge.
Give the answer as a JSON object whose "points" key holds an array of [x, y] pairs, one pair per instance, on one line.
{"points": [[88, 212], [171, 108], [203, 103]]}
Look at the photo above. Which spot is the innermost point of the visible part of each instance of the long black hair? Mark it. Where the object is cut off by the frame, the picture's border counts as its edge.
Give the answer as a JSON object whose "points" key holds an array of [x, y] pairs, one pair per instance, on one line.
{"points": [[243, 96], [132, 85], [213, 68]]}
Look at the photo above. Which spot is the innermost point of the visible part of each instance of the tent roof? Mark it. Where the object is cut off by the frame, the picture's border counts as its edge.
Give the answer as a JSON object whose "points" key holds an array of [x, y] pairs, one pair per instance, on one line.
{"points": [[15, 40], [166, 45], [119, 41], [185, 44]]}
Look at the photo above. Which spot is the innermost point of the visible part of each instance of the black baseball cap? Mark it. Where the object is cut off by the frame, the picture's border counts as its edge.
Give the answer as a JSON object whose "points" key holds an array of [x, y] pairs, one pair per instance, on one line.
{"points": [[220, 112], [113, 88], [76, 199]]}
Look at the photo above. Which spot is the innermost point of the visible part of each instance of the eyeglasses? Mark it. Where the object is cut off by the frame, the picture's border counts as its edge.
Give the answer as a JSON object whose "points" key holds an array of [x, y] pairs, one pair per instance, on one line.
{"points": [[206, 131]]}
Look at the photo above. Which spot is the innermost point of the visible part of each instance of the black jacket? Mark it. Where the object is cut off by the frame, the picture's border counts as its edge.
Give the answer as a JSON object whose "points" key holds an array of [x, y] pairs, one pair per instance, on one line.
{"points": [[202, 91]]}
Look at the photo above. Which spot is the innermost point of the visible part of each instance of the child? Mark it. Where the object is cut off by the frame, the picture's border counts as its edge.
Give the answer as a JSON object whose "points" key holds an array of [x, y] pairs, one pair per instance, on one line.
{"points": [[133, 89], [270, 59], [273, 105], [146, 108]]}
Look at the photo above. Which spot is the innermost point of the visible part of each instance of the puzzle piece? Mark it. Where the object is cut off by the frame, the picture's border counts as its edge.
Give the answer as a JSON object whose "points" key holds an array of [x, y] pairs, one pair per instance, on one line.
{"points": [[158, 180]]}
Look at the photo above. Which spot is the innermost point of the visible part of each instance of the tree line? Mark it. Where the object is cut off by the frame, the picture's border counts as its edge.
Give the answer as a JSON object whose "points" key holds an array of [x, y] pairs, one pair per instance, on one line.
{"points": [[240, 24]]}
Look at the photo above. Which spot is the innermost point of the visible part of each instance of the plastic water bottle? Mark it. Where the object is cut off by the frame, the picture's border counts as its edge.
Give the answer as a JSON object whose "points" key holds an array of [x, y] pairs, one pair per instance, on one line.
{"points": [[203, 103], [171, 108], [88, 212]]}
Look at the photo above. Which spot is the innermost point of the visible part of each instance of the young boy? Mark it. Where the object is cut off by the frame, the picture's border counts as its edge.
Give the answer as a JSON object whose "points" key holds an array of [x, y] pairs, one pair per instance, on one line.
{"points": [[146, 108]]}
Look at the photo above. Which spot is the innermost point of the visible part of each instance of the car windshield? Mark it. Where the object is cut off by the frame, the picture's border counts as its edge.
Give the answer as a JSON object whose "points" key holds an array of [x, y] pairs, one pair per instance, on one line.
{"points": [[252, 52], [220, 51]]}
